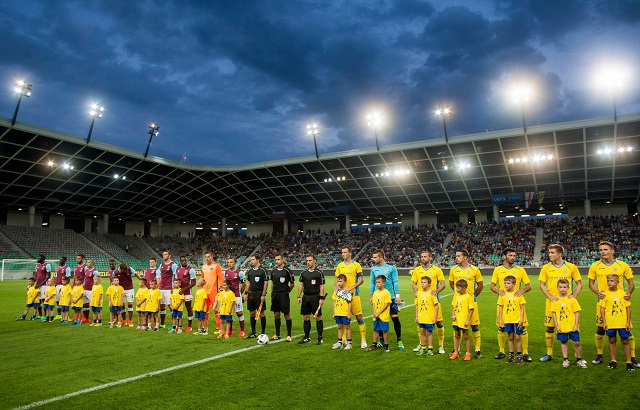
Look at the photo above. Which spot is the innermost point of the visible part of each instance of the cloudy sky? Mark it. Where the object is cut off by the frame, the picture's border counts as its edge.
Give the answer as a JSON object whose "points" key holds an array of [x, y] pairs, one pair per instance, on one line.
{"points": [[236, 82]]}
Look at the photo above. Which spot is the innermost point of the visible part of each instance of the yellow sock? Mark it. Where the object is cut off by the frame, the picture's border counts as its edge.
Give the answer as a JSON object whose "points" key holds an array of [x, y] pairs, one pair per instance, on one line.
{"points": [[502, 340], [476, 339], [548, 340], [524, 338], [441, 336], [632, 346], [363, 331], [599, 344]]}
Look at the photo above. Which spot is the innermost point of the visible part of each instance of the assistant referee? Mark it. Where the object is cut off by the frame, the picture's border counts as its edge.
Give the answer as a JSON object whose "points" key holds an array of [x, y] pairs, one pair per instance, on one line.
{"points": [[312, 284]]}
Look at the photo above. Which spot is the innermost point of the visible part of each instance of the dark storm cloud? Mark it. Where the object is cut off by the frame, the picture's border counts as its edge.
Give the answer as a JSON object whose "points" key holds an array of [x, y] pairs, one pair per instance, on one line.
{"points": [[236, 82]]}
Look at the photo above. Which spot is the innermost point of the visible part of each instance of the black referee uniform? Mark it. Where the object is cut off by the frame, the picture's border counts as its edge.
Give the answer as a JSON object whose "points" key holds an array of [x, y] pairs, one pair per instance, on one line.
{"points": [[257, 278], [282, 283], [311, 281]]}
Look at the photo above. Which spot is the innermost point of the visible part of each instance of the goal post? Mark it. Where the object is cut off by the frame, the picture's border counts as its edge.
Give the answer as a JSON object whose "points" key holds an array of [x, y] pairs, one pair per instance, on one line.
{"points": [[21, 268]]}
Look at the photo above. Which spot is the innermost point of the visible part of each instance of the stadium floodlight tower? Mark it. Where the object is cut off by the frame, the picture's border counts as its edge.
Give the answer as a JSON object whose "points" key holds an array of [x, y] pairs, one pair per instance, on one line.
{"points": [[312, 129], [521, 97], [23, 89], [374, 119], [96, 112], [443, 111], [612, 79], [153, 131]]}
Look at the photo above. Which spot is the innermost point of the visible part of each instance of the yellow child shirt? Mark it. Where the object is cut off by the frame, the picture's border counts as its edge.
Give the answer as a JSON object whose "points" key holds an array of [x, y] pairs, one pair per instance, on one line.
{"points": [[115, 294], [341, 306], [176, 299], [462, 304], [32, 295], [226, 301], [65, 295], [77, 293], [142, 295], [97, 291], [565, 309], [615, 309], [426, 303], [201, 296], [511, 307], [153, 300], [380, 297], [50, 295]]}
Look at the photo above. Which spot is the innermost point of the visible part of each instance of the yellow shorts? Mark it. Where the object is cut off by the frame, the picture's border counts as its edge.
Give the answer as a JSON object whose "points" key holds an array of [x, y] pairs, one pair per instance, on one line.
{"points": [[356, 306], [475, 317], [548, 316]]}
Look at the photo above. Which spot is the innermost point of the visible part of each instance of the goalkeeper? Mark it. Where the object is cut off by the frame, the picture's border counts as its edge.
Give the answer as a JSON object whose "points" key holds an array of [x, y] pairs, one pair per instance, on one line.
{"points": [[342, 312]]}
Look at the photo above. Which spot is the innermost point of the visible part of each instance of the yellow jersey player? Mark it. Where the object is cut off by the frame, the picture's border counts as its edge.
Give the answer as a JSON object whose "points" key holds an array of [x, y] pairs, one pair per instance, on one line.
{"points": [[153, 305], [115, 293], [342, 312], [427, 313], [462, 316], [511, 316], [550, 273], [437, 285], [32, 300], [381, 301], [598, 272], [141, 304], [509, 268], [97, 292], [463, 270], [353, 272], [224, 304], [200, 307], [616, 319], [176, 300], [566, 319]]}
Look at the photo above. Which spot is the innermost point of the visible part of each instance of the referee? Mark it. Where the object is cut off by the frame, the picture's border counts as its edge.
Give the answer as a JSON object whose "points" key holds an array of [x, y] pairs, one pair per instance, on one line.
{"points": [[257, 283], [282, 282], [312, 284]]}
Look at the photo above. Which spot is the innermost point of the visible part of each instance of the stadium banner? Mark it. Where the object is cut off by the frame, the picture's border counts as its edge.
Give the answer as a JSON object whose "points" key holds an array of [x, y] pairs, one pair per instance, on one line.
{"points": [[502, 199], [343, 209], [540, 197], [278, 214], [528, 197]]}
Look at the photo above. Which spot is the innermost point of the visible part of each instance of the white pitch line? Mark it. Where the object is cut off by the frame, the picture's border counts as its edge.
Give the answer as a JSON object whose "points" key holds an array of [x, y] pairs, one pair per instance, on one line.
{"points": [[161, 371]]}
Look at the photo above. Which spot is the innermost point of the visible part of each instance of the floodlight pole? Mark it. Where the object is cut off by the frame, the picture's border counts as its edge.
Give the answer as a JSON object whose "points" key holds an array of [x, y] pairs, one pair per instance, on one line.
{"points": [[22, 88], [524, 124], [95, 112], [153, 130], [615, 111], [90, 130], [375, 132], [312, 129]]}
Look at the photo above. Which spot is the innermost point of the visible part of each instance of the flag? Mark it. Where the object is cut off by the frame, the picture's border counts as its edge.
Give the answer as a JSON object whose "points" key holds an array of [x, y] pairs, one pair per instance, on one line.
{"points": [[528, 197], [540, 197]]}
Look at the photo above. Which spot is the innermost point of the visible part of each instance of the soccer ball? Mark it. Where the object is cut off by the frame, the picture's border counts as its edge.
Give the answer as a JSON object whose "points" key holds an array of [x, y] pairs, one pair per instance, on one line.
{"points": [[263, 339]]}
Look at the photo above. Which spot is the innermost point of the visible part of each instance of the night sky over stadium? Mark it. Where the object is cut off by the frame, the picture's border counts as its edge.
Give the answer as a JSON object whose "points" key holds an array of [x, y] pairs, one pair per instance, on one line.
{"points": [[236, 82]]}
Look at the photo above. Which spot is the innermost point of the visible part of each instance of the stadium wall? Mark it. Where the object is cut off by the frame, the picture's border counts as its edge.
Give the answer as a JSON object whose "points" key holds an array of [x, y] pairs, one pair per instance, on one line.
{"points": [[134, 228], [325, 226], [257, 229]]}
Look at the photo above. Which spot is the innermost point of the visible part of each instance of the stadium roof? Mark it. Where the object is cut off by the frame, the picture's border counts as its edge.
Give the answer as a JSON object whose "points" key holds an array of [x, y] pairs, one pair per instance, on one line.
{"points": [[159, 188]]}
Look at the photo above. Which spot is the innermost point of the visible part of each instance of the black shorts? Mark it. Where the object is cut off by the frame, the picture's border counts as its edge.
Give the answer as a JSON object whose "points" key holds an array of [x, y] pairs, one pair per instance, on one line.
{"points": [[280, 302], [253, 301], [393, 309], [310, 304]]}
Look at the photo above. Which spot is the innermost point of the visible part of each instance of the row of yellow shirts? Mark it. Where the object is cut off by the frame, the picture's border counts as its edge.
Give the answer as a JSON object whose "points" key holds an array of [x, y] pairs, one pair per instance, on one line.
{"points": [[69, 293]]}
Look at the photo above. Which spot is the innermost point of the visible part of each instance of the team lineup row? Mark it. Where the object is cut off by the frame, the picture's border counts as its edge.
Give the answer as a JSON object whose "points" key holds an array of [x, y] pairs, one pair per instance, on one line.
{"points": [[251, 287]]}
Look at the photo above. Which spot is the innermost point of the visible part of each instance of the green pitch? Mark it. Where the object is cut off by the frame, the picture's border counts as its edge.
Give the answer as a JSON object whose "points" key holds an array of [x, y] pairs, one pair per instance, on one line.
{"points": [[41, 361]]}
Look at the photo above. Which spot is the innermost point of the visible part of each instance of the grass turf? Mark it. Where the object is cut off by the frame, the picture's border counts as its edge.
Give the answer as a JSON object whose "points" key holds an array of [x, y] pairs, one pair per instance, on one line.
{"points": [[46, 360]]}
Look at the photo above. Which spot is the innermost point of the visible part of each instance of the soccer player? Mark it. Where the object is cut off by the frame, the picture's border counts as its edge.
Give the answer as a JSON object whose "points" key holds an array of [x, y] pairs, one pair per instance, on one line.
{"points": [[153, 303], [566, 319], [177, 300], [79, 271], [381, 302], [427, 313], [61, 271], [312, 284], [556, 269], [77, 299], [141, 303], [42, 273], [509, 268], [212, 274], [353, 271], [65, 300], [152, 272], [115, 293], [125, 274], [225, 301], [167, 274], [463, 270], [615, 311], [111, 273], [511, 316], [598, 272], [282, 282], [255, 292], [97, 292], [462, 312], [437, 285], [342, 312], [33, 300], [237, 279], [199, 307], [390, 273], [49, 299], [89, 275], [187, 276]]}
